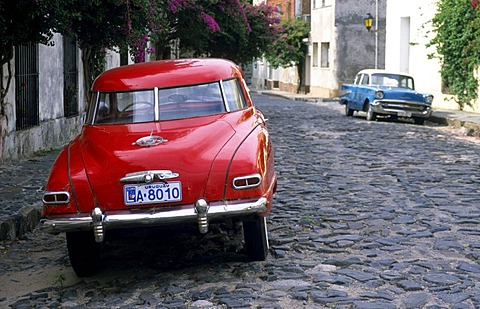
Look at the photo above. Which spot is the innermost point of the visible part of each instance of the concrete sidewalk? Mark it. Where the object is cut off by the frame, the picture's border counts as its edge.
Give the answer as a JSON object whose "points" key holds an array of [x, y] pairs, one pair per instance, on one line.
{"points": [[22, 182]]}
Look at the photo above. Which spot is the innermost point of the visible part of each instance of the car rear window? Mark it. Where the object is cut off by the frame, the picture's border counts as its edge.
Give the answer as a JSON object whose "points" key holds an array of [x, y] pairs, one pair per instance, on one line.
{"points": [[167, 103], [190, 101], [125, 107]]}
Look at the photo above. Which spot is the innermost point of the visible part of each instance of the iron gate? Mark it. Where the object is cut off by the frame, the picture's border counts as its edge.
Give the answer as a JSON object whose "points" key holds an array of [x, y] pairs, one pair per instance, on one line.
{"points": [[70, 73], [26, 86]]}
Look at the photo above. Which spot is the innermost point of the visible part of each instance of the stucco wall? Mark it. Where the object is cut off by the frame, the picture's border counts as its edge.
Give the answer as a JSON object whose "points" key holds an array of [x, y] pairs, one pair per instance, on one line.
{"points": [[322, 80], [355, 45]]}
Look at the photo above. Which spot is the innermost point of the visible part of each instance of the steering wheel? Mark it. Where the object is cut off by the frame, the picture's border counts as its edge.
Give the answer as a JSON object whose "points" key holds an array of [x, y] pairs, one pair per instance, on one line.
{"points": [[131, 105]]}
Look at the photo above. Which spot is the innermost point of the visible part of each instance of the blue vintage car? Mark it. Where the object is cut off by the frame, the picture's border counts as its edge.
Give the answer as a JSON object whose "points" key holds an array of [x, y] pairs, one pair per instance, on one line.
{"points": [[382, 93]]}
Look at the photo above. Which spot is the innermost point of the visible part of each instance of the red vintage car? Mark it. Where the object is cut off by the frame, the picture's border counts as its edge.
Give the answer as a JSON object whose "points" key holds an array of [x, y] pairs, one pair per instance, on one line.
{"points": [[164, 142]]}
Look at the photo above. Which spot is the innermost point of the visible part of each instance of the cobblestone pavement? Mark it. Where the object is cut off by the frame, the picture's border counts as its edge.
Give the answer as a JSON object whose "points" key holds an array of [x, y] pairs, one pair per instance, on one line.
{"points": [[367, 215]]}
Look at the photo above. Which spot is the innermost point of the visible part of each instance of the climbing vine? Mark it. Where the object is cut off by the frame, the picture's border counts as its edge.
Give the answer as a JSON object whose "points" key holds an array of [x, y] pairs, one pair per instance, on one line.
{"points": [[456, 28]]}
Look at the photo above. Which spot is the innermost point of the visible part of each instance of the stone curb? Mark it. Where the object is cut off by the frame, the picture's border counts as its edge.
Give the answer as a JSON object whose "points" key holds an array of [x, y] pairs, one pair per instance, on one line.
{"points": [[15, 227], [471, 128]]}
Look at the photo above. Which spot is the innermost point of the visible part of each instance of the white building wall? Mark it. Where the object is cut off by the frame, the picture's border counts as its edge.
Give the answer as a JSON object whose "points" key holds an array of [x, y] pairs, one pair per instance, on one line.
{"points": [[50, 80], [259, 74], [323, 81], [408, 33]]}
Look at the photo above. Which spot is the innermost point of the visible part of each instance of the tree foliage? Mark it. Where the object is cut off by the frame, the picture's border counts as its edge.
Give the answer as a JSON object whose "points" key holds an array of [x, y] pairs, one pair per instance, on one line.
{"points": [[228, 29], [289, 47], [457, 42], [216, 28], [22, 22], [232, 29], [102, 24]]}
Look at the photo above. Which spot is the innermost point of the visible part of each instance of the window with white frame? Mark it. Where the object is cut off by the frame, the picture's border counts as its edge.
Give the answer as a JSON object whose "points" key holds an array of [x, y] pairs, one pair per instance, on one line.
{"points": [[324, 54], [315, 54]]}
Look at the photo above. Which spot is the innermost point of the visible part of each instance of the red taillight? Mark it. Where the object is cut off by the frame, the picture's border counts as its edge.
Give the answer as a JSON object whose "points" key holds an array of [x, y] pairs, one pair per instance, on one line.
{"points": [[247, 182], [55, 198]]}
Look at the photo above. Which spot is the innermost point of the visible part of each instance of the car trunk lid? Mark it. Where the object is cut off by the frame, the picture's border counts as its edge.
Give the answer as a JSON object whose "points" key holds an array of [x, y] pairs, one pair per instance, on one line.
{"points": [[151, 164]]}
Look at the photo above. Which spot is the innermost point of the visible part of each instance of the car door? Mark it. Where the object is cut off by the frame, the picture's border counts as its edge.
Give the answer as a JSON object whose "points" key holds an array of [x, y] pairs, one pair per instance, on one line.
{"points": [[360, 91]]}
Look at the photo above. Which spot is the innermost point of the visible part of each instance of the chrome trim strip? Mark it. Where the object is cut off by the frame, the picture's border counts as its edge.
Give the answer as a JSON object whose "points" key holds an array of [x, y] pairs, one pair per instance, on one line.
{"points": [[224, 96], [403, 101], [156, 108], [121, 220], [148, 176]]}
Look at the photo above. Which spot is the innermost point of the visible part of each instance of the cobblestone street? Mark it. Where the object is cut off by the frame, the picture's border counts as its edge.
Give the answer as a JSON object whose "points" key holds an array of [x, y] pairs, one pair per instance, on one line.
{"points": [[367, 215]]}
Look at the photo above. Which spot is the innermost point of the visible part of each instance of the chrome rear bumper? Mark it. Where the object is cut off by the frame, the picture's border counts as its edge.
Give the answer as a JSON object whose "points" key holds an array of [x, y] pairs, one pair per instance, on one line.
{"points": [[201, 213]]}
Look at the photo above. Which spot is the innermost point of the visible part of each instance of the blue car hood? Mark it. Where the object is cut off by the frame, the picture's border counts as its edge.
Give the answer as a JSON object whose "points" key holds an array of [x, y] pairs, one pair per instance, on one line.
{"points": [[402, 94]]}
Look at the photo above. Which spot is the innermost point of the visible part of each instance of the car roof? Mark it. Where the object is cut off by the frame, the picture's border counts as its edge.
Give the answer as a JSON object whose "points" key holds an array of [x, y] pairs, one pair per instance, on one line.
{"points": [[166, 73], [373, 71]]}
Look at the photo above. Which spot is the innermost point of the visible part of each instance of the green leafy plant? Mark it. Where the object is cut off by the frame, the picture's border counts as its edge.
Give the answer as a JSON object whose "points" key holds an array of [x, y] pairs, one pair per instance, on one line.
{"points": [[289, 48], [231, 29], [456, 28], [60, 280]]}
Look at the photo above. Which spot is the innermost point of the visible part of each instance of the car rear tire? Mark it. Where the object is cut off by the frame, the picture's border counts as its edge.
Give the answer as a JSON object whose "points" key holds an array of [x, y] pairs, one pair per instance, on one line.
{"points": [[256, 238], [84, 253], [348, 111], [419, 120], [371, 115]]}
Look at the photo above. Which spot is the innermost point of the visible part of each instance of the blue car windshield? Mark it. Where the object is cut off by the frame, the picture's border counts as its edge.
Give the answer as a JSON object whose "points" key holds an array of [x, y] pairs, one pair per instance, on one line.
{"points": [[392, 80]]}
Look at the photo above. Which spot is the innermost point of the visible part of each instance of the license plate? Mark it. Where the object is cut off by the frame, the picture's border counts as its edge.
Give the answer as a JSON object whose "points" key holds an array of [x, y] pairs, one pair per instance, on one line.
{"points": [[405, 114], [152, 193]]}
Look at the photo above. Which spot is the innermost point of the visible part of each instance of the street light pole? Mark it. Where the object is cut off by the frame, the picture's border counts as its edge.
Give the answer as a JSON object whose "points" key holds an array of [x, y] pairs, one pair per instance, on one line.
{"points": [[368, 20], [376, 34]]}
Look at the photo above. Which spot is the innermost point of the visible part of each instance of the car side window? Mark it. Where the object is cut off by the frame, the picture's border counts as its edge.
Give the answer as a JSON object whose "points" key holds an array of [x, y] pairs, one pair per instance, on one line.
{"points": [[357, 79], [234, 95], [365, 79], [406, 82]]}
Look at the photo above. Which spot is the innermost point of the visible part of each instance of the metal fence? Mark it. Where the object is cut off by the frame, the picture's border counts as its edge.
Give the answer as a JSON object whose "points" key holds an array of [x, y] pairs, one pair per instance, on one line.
{"points": [[26, 86]]}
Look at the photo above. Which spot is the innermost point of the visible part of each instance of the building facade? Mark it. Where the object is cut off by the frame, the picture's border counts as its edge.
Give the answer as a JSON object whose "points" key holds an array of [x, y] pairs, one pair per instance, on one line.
{"points": [[409, 32], [45, 102], [286, 79], [340, 45]]}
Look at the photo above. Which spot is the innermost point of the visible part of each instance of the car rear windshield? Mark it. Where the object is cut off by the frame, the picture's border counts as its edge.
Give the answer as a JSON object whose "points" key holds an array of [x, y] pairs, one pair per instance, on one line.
{"points": [[166, 104]]}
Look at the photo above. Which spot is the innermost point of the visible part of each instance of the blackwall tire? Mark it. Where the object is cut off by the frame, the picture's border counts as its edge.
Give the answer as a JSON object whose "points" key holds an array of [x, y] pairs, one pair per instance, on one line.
{"points": [[419, 120], [84, 253], [348, 111], [256, 238]]}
